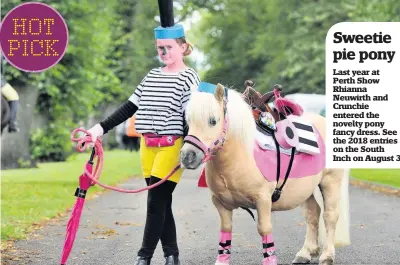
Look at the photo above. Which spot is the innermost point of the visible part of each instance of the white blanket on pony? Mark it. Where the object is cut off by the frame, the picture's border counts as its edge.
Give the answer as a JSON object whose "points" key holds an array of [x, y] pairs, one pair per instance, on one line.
{"points": [[266, 142]]}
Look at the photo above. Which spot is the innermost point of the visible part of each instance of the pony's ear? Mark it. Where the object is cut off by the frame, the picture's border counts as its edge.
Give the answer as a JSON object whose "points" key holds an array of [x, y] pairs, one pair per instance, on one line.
{"points": [[219, 92]]}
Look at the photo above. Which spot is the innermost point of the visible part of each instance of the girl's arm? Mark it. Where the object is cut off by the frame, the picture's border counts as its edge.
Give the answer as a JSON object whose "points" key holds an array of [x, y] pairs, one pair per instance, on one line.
{"points": [[125, 111], [119, 116], [192, 82]]}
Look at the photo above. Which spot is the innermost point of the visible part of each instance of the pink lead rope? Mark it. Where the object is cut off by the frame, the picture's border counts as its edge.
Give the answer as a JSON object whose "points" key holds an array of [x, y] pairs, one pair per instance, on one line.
{"points": [[98, 152]]}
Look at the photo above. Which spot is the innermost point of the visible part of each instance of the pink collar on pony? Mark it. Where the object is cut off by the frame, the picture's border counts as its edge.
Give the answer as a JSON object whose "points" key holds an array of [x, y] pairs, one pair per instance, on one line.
{"points": [[219, 142]]}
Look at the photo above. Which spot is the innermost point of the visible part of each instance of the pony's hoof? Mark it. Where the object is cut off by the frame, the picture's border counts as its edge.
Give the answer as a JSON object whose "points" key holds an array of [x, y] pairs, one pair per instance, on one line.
{"points": [[272, 260], [327, 257], [326, 261], [221, 263], [301, 260]]}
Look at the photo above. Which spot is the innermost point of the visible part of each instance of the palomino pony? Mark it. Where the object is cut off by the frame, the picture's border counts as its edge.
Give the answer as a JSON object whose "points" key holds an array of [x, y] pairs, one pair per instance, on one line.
{"points": [[221, 134]]}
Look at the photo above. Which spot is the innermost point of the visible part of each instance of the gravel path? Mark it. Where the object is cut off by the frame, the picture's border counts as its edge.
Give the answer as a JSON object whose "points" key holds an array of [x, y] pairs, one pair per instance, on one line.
{"points": [[112, 226]]}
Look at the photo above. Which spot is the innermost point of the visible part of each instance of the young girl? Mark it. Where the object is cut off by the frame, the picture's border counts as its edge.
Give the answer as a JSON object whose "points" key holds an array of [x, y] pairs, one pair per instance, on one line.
{"points": [[159, 102]]}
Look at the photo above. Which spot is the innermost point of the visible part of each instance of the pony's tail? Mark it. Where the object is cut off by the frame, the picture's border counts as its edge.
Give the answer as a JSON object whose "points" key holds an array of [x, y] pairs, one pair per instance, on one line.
{"points": [[250, 212], [342, 235]]}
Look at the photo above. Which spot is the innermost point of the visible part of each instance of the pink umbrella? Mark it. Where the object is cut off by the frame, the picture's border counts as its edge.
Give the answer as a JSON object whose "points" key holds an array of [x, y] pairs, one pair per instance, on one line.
{"points": [[90, 178], [73, 223], [84, 183]]}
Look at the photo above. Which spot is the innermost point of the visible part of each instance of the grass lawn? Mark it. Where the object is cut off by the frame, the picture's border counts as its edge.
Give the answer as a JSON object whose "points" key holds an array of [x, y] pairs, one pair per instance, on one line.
{"points": [[29, 196], [389, 177]]}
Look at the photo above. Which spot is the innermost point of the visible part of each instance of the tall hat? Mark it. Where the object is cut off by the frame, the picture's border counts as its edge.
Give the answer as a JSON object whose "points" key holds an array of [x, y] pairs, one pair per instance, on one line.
{"points": [[168, 29]]}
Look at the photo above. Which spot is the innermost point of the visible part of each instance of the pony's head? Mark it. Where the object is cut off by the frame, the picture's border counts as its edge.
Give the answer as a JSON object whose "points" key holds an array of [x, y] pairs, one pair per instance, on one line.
{"points": [[214, 115]]}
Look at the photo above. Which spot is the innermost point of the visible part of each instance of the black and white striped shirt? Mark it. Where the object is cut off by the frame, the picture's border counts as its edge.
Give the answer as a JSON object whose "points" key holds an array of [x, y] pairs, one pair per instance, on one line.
{"points": [[161, 98]]}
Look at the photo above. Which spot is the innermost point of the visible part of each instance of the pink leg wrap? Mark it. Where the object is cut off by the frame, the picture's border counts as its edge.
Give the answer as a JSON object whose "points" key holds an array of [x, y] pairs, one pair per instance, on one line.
{"points": [[224, 248], [269, 250]]}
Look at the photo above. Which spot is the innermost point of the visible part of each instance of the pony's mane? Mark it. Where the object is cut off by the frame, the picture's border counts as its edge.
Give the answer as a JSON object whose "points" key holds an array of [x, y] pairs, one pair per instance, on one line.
{"points": [[241, 125]]}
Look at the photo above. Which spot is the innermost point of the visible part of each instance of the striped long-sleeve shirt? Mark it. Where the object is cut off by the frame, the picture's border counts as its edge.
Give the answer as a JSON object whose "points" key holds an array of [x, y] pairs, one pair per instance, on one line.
{"points": [[161, 98]]}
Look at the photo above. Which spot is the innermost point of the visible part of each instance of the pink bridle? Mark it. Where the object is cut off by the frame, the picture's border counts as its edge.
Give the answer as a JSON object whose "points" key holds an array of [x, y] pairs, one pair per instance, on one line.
{"points": [[216, 145]]}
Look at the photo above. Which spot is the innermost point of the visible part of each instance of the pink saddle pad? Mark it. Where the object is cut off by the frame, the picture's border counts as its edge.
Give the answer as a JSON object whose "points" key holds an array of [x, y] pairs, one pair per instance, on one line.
{"points": [[303, 164], [266, 160]]}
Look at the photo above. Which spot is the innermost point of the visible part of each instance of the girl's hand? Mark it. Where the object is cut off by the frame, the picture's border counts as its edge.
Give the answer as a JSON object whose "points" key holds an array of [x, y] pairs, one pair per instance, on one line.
{"points": [[95, 131]]}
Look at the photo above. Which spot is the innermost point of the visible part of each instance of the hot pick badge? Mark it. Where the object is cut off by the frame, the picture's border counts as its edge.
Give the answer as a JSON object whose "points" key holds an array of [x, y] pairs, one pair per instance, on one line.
{"points": [[33, 37]]}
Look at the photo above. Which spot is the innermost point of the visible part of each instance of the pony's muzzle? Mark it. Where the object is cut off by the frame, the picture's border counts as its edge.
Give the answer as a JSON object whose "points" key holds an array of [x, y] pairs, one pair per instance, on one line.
{"points": [[191, 157]]}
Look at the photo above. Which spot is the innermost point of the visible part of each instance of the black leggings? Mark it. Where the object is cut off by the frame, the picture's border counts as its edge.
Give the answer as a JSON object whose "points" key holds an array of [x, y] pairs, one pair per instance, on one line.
{"points": [[13, 109], [160, 223]]}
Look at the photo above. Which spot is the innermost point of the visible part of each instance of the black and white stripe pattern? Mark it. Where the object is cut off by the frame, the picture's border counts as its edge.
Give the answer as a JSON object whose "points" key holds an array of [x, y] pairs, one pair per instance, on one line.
{"points": [[162, 98], [308, 142], [225, 248]]}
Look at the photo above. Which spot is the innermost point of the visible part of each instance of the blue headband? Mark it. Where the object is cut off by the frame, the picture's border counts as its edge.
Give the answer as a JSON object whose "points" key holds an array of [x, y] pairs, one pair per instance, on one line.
{"points": [[174, 32], [209, 88]]}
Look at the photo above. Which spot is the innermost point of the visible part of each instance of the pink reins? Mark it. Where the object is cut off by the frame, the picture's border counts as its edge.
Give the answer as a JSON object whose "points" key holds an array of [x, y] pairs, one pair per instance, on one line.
{"points": [[98, 152]]}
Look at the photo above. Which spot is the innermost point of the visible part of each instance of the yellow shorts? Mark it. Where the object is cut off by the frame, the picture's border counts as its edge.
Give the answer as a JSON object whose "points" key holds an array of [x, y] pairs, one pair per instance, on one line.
{"points": [[9, 92], [159, 161]]}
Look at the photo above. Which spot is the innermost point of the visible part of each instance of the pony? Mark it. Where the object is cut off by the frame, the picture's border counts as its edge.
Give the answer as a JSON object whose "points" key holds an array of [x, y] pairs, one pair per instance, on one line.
{"points": [[221, 136]]}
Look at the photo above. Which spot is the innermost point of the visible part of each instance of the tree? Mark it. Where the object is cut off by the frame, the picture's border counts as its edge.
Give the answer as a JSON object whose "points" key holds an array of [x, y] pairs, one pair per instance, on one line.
{"points": [[110, 48], [271, 42]]}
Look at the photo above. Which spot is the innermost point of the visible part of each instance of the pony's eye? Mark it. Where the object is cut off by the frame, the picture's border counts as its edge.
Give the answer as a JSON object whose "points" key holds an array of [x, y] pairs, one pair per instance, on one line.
{"points": [[212, 121]]}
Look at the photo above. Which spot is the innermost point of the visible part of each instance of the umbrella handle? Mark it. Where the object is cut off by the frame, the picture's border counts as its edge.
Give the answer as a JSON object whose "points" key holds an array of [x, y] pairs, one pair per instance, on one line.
{"points": [[92, 156], [97, 150]]}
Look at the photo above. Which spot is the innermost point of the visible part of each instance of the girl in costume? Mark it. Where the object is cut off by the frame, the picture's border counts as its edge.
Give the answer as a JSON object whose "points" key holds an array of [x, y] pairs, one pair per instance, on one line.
{"points": [[159, 102]]}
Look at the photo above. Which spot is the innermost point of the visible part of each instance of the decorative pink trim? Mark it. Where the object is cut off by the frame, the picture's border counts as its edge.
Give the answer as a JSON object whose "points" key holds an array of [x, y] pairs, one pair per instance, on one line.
{"points": [[280, 103], [268, 238], [223, 258], [224, 236]]}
